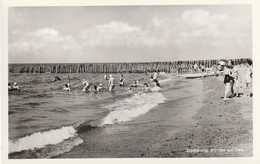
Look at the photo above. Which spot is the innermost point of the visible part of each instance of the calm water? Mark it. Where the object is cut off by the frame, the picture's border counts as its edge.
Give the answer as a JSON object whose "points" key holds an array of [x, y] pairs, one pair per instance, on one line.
{"points": [[43, 116]]}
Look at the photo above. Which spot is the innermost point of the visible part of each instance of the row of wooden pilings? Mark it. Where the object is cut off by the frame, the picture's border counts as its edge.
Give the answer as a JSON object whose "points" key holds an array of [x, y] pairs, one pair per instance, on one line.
{"points": [[173, 67]]}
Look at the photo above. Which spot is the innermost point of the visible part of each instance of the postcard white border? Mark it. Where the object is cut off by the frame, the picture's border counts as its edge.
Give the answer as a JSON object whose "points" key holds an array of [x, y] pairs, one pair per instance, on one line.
{"points": [[4, 77]]}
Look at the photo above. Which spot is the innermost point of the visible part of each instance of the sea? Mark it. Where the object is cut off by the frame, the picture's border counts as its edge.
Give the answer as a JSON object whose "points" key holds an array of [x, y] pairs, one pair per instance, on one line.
{"points": [[45, 121]]}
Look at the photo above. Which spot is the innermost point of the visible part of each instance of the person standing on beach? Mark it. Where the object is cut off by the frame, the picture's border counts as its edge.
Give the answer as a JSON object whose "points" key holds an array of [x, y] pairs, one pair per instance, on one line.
{"points": [[249, 78], [227, 79], [232, 77], [241, 78], [235, 74], [111, 83]]}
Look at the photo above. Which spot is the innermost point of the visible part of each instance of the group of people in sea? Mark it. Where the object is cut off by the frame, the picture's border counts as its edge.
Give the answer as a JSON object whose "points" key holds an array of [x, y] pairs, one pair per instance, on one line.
{"points": [[111, 83], [201, 68], [11, 87], [237, 78]]}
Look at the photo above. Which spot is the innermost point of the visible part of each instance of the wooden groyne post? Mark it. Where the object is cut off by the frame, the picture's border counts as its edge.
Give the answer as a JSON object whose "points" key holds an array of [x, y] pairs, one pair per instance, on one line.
{"points": [[141, 67]]}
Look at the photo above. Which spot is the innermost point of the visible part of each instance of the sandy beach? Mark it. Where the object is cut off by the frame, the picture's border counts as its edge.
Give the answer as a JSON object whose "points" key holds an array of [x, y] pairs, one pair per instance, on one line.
{"points": [[196, 124]]}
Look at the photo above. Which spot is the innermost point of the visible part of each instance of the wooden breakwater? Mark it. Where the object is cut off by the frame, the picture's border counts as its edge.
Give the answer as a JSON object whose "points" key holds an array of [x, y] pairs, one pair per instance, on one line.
{"points": [[141, 67]]}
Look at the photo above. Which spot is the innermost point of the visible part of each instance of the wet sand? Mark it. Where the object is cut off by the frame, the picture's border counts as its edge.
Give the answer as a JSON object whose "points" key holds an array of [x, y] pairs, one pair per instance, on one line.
{"points": [[194, 122]]}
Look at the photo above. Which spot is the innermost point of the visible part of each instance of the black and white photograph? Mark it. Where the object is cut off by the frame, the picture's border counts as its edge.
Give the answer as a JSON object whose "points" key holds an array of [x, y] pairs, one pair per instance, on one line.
{"points": [[130, 81]]}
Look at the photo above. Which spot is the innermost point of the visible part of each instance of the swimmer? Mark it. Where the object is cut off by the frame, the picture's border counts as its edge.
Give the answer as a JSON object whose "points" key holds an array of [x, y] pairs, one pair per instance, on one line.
{"points": [[157, 84], [121, 80], [15, 86], [152, 77], [56, 78], [9, 86], [95, 88], [146, 87], [130, 90], [100, 87], [135, 84], [111, 83], [66, 88]]}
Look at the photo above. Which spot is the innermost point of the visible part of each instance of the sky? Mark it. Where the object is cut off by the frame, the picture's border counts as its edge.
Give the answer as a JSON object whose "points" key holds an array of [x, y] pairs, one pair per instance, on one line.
{"points": [[88, 34]]}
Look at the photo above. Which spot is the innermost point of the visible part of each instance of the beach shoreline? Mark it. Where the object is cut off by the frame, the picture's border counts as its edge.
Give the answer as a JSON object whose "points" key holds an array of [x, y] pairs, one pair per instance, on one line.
{"points": [[201, 125], [224, 128]]}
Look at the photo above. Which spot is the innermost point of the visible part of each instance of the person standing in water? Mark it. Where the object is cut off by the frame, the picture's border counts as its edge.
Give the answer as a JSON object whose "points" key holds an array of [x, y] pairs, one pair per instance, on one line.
{"points": [[67, 86], [155, 79], [105, 77], [86, 85], [121, 80], [111, 83], [68, 81]]}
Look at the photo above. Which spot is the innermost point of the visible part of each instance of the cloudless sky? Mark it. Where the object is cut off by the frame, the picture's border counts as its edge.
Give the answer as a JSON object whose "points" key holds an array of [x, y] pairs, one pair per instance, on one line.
{"points": [[128, 33]]}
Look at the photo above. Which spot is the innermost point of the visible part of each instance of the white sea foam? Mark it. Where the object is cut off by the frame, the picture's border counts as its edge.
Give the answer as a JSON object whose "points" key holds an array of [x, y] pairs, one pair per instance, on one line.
{"points": [[129, 108], [42, 139], [165, 80]]}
